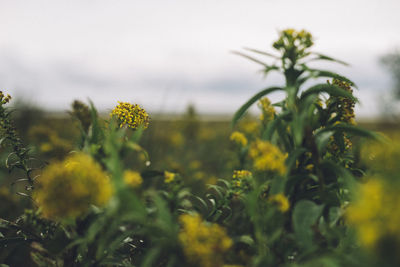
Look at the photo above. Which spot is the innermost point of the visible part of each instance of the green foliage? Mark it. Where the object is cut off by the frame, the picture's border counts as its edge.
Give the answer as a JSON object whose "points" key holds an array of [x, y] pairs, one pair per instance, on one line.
{"points": [[282, 202]]}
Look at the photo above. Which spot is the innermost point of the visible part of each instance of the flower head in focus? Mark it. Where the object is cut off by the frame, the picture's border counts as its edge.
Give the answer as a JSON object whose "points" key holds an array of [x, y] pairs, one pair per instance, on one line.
{"points": [[133, 116]]}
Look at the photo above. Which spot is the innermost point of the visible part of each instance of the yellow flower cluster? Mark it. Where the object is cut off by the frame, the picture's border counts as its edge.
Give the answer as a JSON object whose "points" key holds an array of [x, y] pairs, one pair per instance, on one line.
{"points": [[169, 177], [67, 189], [204, 244], [241, 174], [238, 138], [267, 157], [241, 180], [132, 178], [375, 213], [4, 99], [291, 41], [281, 201], [130, 115], [268, 111]]}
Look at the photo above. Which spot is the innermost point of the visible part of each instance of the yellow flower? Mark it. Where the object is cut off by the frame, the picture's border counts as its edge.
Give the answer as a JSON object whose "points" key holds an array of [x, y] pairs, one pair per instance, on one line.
{"points": [[249, 127], [267, 157], [4, 99], [132, 178], [131, 115], [291, 38], [268, 111], [241, 174], [177, 139], [66, 189], [203, 243], [281, 201], [375, 213], [169, 177], [238, 138]]}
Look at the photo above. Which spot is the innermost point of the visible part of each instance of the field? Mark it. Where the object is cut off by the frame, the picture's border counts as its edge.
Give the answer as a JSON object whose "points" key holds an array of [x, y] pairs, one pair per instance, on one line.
{"points": [[301, 183]]}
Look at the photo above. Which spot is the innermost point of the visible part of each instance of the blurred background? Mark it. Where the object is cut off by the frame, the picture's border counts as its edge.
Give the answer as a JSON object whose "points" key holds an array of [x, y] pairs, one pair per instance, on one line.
{"points": [[166, 55]]}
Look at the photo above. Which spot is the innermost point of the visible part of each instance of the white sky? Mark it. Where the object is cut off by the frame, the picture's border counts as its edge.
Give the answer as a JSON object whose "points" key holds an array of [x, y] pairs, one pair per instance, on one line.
{"points": [[166, 54]]}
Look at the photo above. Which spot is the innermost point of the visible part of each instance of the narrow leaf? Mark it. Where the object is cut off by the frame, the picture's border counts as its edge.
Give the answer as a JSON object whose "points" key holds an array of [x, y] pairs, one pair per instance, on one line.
{"points": [[251, 58], [329, 74], [325, 57], [261, 52], [331, 89], [239, 114]]}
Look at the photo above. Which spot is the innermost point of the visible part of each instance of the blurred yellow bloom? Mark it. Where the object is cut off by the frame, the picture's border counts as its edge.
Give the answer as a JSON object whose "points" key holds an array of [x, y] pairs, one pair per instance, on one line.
{"points": [[66, 189], [132, 178], [176, 139], [239, 138], [281, 201], [267, 157], [130, 115], [268, 111], [169, 177], [249, 127], [204, 244], [195, 164], [375, 213]]}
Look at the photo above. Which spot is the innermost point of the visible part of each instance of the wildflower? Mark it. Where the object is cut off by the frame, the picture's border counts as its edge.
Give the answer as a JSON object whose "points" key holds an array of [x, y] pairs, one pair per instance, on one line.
{"points": [[268, 111], [241, 181], [364, 213], [203, 243], [249, 127], [169, 177], [131, 115], [292, 42], [66, 189], [132, 178], [177, 139], [239, 138], [267, 157], [241, 174], [195, 164], [281, 201]]}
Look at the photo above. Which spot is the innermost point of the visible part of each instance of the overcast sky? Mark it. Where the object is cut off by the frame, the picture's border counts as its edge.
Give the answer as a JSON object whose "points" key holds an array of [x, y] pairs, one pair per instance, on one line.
{"points": [[166, 54]]}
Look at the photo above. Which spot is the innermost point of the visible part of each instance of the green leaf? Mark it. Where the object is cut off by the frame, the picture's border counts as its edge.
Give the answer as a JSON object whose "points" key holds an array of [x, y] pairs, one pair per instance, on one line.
{"points": [[329, 74], [199, 204], [305, 215], [151, 257], [261, 52], [325, 57], [251, 58], [239, 114], [331, 89], [352, 129], [322, 140]]}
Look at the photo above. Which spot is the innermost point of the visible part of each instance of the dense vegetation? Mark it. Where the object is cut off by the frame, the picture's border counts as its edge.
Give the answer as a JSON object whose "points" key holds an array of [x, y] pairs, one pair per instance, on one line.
{"points": [[302, 185]]}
